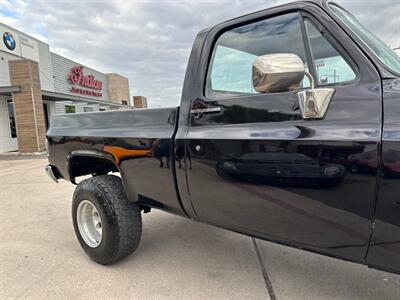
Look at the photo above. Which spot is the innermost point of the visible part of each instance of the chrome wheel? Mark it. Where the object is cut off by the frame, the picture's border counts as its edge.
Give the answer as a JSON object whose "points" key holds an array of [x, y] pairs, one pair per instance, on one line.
{"points": [[89, 223]]}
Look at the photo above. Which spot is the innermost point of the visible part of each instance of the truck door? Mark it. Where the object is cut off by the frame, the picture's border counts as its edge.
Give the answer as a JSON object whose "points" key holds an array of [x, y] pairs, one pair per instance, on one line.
{"points": [[255, 165]]}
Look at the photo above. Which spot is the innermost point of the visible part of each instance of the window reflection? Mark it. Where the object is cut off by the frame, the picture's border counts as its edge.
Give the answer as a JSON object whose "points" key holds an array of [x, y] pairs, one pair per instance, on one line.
{"points": [[330, 66], [230, 72]]}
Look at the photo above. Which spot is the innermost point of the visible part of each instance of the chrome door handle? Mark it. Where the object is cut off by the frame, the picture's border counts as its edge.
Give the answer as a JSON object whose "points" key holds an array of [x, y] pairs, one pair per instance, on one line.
{"points": [[197, 113], [205, 110]]}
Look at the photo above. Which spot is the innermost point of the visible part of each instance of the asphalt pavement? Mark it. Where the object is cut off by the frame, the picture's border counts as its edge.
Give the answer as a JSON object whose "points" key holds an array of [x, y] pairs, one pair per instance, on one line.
{"points": [[177, 258]]}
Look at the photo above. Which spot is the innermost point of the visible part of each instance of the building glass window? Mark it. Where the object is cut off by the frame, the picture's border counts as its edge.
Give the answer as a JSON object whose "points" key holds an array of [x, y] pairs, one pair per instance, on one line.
{"points": [[88, 109], [69, 109], [46, 115], [230, 70], [124, 102], [11, 116], [330, 66]]}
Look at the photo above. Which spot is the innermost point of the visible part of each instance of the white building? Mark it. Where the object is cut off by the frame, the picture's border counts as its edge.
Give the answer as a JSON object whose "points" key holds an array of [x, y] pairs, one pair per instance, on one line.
{"points": [[36, 84]]}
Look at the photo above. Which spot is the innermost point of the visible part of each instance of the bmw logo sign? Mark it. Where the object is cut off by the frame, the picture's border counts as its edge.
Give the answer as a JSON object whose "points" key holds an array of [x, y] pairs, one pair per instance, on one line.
{"points": [[9, 40]]}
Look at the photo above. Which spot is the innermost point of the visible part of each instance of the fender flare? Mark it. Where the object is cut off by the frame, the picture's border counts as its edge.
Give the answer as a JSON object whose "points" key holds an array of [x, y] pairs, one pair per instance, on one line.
{"points": [[129, 190]]}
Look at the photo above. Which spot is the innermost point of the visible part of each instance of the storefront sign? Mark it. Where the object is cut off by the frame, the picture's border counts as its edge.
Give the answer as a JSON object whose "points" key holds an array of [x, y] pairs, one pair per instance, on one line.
{"points": [[9, 40], [29, 47], [76, 76], [18, 44]]}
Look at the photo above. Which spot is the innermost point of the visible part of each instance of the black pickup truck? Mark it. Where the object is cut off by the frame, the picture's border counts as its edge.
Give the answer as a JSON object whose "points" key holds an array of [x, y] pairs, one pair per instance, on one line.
{"points": [[288, 131]]}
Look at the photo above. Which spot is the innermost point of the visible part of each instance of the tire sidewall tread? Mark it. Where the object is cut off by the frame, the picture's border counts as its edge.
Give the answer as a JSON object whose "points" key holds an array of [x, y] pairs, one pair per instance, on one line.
{"points": [[121, 219]]}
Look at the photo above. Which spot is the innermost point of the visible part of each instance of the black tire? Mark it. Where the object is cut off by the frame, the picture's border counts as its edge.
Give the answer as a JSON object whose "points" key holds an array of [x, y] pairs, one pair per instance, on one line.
{"points": [[121, 221]]}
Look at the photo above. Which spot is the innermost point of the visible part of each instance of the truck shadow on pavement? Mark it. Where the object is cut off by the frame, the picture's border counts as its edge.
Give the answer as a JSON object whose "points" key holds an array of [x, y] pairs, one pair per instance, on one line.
{"points": [[194, 247]]}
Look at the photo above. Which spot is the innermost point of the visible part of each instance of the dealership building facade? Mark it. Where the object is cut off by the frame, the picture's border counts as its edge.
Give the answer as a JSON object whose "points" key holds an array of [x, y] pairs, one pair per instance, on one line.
{"points": [[36, 84]]}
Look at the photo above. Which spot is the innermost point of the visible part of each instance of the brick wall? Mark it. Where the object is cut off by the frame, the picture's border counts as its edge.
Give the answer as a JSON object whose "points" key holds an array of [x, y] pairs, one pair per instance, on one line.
{"points": [[28, 105], [140, 102], [118, 88]]}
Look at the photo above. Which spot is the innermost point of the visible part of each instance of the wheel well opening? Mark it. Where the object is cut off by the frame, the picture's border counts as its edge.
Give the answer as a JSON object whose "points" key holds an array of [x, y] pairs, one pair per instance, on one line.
{"points": [[89, 165]]}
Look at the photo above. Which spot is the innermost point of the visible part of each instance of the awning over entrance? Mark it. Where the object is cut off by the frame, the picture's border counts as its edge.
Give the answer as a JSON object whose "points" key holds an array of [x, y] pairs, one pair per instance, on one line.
{"points": [[53, 96], [7, 90]]}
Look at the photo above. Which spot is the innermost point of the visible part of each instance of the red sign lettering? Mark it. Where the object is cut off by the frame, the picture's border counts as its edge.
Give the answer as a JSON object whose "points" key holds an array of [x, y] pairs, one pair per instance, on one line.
{"points": [[76, 76], [86, 92]]}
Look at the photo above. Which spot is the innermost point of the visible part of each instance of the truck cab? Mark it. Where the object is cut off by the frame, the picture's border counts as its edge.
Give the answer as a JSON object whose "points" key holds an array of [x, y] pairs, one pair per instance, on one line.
{"points": [[282, 110]]}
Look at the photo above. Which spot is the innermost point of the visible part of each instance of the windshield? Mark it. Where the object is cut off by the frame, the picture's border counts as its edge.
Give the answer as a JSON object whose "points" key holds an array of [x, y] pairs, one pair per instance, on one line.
{"points": [[380, 49]]}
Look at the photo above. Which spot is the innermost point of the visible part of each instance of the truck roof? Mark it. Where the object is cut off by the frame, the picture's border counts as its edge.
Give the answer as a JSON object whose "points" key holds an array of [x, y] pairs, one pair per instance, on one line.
{"points": [[318, 2]]}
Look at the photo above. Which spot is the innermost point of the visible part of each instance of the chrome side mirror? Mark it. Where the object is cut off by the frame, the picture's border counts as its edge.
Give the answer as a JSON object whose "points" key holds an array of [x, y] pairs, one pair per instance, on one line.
{"points": [[278, 72], [314, 102], [282, 72]]}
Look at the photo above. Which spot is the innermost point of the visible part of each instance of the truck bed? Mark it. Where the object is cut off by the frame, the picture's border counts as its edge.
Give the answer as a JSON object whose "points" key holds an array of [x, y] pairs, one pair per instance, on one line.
{"points": [[138, 142]]}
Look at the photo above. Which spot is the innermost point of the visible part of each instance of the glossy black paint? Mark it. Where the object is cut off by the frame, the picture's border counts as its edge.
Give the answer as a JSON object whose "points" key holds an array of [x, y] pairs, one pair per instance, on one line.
{"points": [[384, 250], [302, 190], [257, 167], [139, 143]]}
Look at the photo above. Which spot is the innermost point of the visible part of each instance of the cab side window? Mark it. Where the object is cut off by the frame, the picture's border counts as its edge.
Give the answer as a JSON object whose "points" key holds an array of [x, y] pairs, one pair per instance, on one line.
{"points": [[230, 69], [330, 66]]}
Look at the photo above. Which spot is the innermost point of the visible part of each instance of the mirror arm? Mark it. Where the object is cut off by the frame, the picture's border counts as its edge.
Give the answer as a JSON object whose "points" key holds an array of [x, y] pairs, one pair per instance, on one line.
{"points": [[311, 78], [313, 103]]}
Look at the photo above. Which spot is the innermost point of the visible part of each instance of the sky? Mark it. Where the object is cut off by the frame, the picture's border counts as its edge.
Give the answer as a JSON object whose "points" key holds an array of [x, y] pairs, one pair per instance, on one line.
{"points": [[149, 42]]}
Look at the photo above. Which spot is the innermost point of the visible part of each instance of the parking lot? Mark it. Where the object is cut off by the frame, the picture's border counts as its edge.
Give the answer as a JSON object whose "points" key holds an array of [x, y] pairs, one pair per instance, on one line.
{"points": [[177, 258]]}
